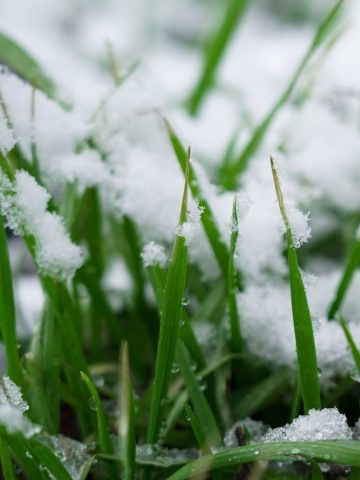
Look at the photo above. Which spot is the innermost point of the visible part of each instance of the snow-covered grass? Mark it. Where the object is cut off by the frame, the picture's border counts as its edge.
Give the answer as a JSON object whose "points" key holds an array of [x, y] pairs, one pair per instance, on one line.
{"points": [[179, 240]]}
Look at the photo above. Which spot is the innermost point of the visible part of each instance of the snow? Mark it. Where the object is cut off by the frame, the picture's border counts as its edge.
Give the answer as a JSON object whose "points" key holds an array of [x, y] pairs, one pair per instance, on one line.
{"points": [[325, 424], [187, 229], [269, 331], [24, 204], [12, 409], [7, 140], [137, 174], [154, 254]]}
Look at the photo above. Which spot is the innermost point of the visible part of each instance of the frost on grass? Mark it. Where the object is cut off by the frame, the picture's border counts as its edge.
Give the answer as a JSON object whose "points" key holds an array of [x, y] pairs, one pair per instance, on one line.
{"points": [[12, 409], [187, 229], [73, 454], [7, 140], [164, 457], [24, 205], [326, 424], [154, 254]]}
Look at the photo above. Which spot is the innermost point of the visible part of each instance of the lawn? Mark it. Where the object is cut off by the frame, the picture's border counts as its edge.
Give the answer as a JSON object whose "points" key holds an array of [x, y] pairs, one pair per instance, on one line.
{"points": [[179, 240]]}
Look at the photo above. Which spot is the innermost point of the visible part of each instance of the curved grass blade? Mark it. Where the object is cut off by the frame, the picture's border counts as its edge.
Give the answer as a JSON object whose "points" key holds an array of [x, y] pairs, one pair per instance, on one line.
{"points": [[126, 420], [102, 430], [351, 265], [170, 322], [207, 218], [304, 335], [215, 52], [262, 394], [196, 394], [354, 349], [183, 397], [103, 434], [19, 61], [321, 35], [7, 314], [343, 452]]}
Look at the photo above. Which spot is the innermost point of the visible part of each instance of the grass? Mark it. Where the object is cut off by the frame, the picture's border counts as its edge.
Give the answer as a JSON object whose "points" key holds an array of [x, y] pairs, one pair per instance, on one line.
{"points": [[303, 328], [146, 393], [324, 33]]}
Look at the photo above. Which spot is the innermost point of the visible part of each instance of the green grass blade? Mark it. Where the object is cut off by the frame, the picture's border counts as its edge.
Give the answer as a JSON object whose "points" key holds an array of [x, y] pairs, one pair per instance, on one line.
{"points": [[38, 400], [102, 429], [354, 349], [233, 286], [20, 61], [157, 276], [29, 463], [183, 397], [207, 218], [215, 52], [197, 429], [355, 474], [343, 452], [304, 335], [350, 268], [316, 473], [262, 394], [322, 33], [5, 460], [7, 314], [170, 322], [197, 396], [47, 458], [126, 420]]}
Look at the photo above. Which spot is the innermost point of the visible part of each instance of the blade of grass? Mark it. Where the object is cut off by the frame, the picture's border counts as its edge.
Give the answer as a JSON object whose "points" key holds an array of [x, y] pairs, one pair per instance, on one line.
{"points": [[304, 335], [38, 400], [197, 396], [343, 452], [102, 429], [5, 460], [261, 394], [354, 349], [29, 464], [355, 474], [352, 264], [170, 322], [316, 473], [72, 354], [18, 60], [197, 429], [183, 397], [48, 459], [236, 340], [207, 218], [323, 31], [7, 314], [157, 276], [234, 10], [126, 420]]}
